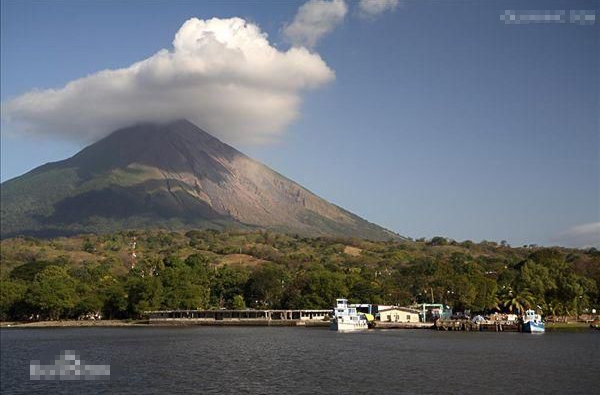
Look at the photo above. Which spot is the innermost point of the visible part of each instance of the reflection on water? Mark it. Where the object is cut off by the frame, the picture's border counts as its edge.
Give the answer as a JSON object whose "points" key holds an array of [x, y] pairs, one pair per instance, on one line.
{"points": [[307, 361]]}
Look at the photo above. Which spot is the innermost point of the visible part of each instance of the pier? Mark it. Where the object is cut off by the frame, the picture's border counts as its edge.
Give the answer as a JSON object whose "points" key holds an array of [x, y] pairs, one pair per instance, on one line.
{"points": [[470, 326], [241, 317], [402, 325], [312, 318]]}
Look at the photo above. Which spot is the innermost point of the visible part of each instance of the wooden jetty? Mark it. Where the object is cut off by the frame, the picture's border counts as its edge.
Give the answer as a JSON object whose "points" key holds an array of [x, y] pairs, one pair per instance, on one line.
{"points": [[402, 325], [470, 326]]}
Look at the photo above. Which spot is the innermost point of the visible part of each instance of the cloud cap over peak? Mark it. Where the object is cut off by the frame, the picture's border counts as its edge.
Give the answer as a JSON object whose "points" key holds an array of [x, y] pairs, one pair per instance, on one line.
{"points": [[222, 74]]}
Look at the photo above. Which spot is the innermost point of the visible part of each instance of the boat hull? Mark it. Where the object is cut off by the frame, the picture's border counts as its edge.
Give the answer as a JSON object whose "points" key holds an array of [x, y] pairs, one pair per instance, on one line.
{"points": [[534, 327], [348, 326]]}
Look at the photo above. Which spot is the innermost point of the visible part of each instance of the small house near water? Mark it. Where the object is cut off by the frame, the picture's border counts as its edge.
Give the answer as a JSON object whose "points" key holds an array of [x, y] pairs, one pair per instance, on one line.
{"points": [[399, 314]]}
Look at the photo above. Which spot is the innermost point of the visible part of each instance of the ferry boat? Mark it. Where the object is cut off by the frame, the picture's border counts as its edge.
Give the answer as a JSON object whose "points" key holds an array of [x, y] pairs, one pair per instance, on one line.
{"points": [[346, 318], [532, 322]]}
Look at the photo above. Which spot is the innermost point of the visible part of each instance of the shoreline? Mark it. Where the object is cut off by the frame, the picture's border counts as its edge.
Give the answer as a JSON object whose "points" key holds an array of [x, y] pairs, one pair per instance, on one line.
{"points": [[74, 324], [551, 326], [160, 323]]}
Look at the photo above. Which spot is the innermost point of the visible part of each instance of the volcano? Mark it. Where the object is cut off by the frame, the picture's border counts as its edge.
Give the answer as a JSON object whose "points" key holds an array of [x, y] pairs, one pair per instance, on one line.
{"points": [[171, 176]]}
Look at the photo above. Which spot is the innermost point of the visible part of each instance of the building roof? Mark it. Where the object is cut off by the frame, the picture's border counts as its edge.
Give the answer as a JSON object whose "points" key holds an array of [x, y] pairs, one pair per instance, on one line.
{"points": [[405, 309]]}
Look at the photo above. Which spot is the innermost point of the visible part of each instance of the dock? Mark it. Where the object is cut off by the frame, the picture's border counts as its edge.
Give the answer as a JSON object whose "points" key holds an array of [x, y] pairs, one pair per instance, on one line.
{"points": [[402, 325], [312, 318], [470, 326]]}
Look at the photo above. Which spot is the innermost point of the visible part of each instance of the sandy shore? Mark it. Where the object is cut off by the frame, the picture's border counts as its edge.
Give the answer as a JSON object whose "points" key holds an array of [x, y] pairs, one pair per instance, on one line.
{"points": [[158, 323], [72, 323]]}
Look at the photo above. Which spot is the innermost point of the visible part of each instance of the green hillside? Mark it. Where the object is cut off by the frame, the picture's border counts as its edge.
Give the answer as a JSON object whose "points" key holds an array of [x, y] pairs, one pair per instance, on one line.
{"points": [[67, 277]]}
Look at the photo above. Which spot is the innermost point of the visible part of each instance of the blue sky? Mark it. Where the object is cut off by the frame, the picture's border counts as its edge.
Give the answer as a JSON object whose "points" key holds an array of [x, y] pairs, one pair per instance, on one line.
{"points": [[441, 120]]}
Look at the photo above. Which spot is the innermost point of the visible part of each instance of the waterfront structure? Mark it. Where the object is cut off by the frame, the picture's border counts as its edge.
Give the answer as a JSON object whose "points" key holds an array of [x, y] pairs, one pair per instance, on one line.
{"points": [[249, 316], [507, 318], [365, 308], [399, 314], [347, 319], [430, 312]]}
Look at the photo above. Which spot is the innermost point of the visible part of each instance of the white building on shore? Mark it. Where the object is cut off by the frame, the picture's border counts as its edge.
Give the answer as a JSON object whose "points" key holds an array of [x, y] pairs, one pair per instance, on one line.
{"points": [[399, 314]]}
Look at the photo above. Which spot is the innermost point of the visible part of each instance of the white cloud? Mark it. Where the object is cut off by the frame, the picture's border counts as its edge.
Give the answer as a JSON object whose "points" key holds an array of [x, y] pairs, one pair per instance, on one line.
{"points": [[222, 74], [373, 8], [313, 20], [583, 235]]}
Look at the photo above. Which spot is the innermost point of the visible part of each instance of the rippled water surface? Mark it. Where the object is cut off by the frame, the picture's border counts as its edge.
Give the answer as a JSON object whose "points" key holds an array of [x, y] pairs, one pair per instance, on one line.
{"points": [[262, 360]]}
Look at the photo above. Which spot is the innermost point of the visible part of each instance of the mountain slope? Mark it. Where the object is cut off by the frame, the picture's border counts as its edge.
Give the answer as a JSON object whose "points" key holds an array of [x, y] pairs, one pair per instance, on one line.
{"points": [[174, 176]]}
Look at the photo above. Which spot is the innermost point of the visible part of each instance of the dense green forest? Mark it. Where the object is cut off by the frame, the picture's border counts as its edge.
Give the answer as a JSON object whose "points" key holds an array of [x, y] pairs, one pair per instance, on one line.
{"points": [[71, 277]]}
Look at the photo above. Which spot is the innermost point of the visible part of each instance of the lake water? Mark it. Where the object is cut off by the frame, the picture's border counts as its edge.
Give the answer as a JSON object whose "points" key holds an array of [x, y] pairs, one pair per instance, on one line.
{"points": [[243, 360]]}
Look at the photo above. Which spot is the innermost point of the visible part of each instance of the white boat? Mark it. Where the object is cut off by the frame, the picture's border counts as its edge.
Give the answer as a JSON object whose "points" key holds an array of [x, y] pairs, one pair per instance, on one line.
{"points": [[346, 318], [532, 322]]}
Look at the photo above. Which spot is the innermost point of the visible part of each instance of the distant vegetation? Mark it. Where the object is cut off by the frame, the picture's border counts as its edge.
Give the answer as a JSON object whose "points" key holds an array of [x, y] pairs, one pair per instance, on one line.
{"points": [[72, 277]]}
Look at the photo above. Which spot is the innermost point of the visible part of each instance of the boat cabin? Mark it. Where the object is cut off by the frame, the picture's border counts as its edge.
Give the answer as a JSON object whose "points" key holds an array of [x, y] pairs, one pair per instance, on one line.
{"points": [[343, 309]]}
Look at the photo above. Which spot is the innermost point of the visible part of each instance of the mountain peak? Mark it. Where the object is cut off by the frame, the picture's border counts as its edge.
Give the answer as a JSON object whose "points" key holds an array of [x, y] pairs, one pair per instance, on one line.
{"points": [[172, 175]]}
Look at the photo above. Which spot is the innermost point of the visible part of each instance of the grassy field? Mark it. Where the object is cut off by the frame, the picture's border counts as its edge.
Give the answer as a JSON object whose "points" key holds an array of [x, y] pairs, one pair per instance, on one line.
{"points": [[572, 325]]}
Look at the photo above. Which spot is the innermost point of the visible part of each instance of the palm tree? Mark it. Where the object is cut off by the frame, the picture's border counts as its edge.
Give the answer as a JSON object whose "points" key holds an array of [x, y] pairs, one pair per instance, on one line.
{"points": [[517, 301]]}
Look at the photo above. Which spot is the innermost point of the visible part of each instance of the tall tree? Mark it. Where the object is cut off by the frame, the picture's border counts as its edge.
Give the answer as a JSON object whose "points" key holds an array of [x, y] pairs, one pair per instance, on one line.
{"points": [[11, 293], [53, 292]]}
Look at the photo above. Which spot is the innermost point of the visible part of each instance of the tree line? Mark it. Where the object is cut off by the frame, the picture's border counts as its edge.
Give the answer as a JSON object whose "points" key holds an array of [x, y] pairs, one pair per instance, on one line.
{"points": [[190, 271]]}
